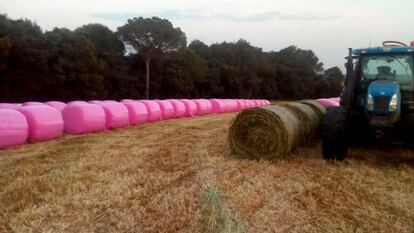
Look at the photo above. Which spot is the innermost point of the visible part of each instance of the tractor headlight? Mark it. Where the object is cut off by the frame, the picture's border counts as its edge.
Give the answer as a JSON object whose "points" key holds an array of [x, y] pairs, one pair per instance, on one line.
{"points": [[370, 103], [393, 103]]}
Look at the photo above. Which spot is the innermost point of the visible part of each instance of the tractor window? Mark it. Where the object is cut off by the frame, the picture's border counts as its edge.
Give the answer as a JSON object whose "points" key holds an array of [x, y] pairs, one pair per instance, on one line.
{"points": [[391, 67]]}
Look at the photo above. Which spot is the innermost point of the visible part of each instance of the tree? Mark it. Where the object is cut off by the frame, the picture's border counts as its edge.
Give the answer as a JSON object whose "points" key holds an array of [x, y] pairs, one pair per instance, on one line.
{"points": [[105, 41], [151, 37], [335, 78]]}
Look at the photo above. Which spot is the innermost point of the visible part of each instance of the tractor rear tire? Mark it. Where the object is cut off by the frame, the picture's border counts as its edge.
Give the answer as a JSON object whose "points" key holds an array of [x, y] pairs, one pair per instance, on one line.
{"points": [[334, 135]]}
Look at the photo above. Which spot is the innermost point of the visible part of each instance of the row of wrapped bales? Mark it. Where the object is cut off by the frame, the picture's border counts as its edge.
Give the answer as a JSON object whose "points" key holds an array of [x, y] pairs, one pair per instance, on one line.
{"points": [[271, 132], [37, 121]]}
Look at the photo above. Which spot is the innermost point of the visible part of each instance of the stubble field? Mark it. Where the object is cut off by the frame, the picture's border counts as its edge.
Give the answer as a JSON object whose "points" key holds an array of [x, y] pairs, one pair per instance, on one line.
{"points": [[179, 176]]}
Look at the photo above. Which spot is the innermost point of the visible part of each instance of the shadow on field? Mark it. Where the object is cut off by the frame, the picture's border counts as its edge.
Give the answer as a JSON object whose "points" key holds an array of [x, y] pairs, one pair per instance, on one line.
{"points": [[389, 155]]}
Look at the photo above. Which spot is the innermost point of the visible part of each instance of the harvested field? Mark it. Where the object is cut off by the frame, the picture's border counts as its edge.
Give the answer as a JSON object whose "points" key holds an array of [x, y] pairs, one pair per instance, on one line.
{"points": [[179, 176]]}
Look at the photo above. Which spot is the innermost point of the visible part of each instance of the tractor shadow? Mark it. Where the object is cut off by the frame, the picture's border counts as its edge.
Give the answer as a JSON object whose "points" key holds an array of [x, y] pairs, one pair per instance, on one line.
{"points": [[383, 155]]}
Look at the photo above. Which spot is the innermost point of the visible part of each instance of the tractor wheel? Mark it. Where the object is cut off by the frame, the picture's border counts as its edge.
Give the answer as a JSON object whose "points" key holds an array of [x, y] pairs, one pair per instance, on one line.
{"points": [[408, 130], [334, 141]]}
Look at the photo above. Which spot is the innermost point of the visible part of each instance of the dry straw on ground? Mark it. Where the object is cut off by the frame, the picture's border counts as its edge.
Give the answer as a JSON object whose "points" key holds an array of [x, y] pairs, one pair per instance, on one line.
{"points": [[150, 178]]}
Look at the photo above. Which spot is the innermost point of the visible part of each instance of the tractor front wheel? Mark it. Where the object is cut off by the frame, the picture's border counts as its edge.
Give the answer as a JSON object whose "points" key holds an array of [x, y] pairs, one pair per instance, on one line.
{"points": [[334, 136]]}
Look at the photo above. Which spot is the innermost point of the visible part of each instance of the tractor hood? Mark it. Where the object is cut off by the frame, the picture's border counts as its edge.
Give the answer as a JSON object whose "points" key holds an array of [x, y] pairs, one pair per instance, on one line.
{"points": [[383, 103]]}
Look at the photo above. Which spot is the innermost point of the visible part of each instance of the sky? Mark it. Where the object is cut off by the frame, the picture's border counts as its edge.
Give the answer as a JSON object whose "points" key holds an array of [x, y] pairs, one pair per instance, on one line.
{"points": [[328, 27]]}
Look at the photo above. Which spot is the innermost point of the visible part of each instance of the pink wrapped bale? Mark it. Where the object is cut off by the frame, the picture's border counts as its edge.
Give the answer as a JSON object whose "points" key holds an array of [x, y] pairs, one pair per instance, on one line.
{"points": [[77, 102], [14, 129], [57, 104], [190, 107], [167, 109], [327, 102], [217, 106], [257, 103], [335, 99], [203, 107], [231, 105], [45, 122], [9, 106], [94, 101], [117, 114], [138, 113], [241, 104], [82, 118], [179, 108], [32, 103], [154, 110], [267, 102]]}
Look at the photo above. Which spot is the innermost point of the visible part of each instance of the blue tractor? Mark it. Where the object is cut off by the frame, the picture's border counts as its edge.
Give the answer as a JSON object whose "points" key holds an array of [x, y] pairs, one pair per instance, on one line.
{"points": [[377, 102]]}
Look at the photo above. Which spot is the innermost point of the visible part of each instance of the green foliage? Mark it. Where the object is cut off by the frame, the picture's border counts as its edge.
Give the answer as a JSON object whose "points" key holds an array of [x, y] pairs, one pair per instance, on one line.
{"points": [[92, 62], [152, 36]]}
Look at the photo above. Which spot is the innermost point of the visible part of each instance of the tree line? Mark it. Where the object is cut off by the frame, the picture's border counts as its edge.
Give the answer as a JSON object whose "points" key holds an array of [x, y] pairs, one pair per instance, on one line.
{"points": [[94, 62]]}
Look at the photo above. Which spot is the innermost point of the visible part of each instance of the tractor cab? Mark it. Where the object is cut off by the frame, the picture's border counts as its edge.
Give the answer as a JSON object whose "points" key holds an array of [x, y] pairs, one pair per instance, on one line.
{"points": [[384, 83], [377, 100]]}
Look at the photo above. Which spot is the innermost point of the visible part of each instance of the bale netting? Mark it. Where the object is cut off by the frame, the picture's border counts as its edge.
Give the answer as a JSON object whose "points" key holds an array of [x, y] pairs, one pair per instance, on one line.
{"points": [[309, 120], [268, 132]]}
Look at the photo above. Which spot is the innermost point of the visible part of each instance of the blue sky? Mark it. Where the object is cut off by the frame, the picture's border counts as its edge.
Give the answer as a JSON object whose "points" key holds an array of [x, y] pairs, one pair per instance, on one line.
{"points": [[328, 27]]}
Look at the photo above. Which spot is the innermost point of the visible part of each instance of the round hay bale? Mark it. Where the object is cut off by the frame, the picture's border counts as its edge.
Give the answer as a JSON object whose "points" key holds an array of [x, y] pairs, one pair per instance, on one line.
{"points": [[9, 106], [154, 110], [45, 122], [82, 118], [179, 108], [204, 107], [31, 103], [14, 129], [190, 107], [57, 104], [309, 120], [267, 132], [167, 109], [217, 106], [317, 107], [138, 113]]}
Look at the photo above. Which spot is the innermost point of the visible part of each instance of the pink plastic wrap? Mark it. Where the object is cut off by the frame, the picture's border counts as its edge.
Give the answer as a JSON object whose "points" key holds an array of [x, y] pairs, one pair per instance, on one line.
{"points": [[82, 118], [56, 104], [179, 108], [154, 110], [117, 114], [94, 101], [9, 106], [13, 128], [217, 106], [77, 102], [45, 122], [167, 109], [138, 112], [327, 102], [335, 99], [190, 107], [267, 102], [32, 103], [241, 104], [231, 105], [203, 107]]}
